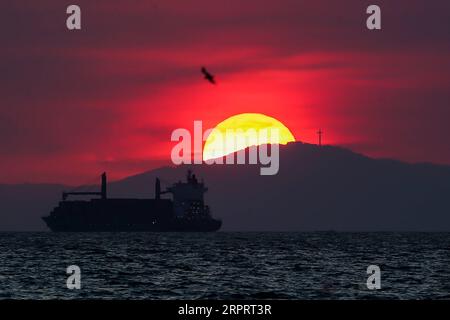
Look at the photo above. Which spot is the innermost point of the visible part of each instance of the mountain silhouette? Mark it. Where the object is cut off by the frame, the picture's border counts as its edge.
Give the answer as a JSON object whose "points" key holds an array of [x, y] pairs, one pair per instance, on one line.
{"points": [[316, 188]]}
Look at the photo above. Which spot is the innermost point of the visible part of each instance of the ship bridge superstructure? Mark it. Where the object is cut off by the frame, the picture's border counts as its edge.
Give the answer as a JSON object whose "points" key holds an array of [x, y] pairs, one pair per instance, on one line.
{"points": [[188, 197]]}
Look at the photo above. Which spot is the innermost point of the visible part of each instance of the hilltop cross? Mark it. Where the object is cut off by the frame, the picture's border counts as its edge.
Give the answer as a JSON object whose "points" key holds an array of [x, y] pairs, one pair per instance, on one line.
{"points": [[320, 132]]}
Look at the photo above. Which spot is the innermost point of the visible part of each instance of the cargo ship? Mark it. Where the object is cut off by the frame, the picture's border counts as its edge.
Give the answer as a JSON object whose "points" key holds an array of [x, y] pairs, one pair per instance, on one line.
{"points": [[185, 212]]}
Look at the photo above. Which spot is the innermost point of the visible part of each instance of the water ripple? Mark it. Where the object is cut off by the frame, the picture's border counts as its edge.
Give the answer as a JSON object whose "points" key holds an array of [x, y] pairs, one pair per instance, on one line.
{"points": [[322, 265]]}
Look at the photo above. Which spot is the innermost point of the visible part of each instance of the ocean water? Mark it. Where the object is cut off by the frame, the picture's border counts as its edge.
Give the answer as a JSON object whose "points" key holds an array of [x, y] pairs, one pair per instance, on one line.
{"points": [[225, 265]]}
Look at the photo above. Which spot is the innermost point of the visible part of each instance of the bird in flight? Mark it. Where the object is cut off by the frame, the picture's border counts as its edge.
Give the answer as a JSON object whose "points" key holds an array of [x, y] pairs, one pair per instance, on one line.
{"points": [[208, 76]]}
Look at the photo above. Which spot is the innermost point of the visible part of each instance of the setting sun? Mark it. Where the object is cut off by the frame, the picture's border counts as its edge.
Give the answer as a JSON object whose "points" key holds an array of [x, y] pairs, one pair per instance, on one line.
{"points": [[222, 139]]}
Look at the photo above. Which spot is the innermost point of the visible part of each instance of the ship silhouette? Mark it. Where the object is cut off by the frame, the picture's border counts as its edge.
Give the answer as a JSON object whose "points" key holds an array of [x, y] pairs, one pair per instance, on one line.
{"points": [[186, 212]]}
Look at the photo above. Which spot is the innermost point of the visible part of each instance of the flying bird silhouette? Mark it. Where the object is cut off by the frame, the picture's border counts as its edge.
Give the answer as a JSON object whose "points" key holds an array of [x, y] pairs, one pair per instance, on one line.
{"points": [[208, 76]]}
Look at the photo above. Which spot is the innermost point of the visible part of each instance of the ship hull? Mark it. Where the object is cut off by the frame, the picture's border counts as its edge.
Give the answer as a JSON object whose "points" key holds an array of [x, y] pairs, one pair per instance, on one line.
{"points": [[185, 213], [175, 225]]}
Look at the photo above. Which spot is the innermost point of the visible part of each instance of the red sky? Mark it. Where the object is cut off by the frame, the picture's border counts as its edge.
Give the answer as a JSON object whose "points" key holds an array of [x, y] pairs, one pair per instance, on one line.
{"points": [[76, 103]]}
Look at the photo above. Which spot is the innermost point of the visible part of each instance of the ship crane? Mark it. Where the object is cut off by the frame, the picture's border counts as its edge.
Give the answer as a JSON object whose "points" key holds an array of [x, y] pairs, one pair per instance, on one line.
{"points": [[101, 193], [158, 191]]}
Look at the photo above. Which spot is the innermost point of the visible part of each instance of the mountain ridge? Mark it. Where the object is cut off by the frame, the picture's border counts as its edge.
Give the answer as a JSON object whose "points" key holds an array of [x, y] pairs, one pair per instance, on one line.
{"points": [[316, 188]]}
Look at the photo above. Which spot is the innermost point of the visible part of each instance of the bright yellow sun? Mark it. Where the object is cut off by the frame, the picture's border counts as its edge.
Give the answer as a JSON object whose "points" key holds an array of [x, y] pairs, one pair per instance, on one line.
{"points": [[244, 130]]}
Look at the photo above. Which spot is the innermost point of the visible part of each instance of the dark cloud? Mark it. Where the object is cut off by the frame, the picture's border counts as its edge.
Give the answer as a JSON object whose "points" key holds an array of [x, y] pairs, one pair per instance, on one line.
{"points": [[111, 93]]}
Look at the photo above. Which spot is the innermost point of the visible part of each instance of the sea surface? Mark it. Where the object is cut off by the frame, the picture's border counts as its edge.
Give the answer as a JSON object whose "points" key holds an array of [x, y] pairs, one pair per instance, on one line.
{"points": [[225, 265]]}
